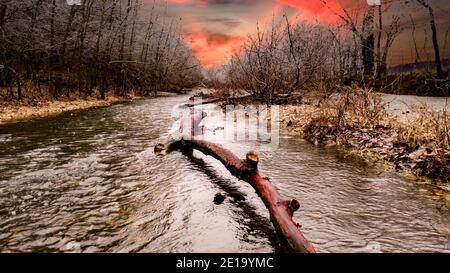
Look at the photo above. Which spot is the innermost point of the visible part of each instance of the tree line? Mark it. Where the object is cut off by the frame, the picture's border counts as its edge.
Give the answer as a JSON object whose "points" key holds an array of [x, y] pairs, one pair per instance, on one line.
{"points": [[99, 46], [287, 57]]}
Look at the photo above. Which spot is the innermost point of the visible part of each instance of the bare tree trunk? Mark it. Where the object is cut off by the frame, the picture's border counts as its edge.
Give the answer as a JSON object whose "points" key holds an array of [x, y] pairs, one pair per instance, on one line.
{"points": [[133, 28], [446, 40], [19, 88], [148, 36], [417, 55], [380, 29], [124, 30], [122, 77], [83, 85], [3, 9], [70, 20], [52, 24], [368, 43], [437, 56], [34, 15], [391, 33], [86, 15], [100, 30], [109, 43]]}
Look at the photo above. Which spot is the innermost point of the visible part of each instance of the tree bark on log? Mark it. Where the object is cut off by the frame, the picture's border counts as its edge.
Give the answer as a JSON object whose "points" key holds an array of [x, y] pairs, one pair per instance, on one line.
{"points": [[279, 99], [280, 209], [215, 100]]}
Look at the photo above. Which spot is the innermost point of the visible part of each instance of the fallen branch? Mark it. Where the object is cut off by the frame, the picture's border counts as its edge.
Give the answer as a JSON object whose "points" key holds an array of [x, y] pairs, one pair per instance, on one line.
{"points": [[215, 100], [279, 99], [203, 102], [176, 91], [281, 210]]}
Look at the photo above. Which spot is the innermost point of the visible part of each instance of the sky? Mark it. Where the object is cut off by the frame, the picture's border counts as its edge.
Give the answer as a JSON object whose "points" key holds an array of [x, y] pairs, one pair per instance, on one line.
{"points": [[216, 28]]}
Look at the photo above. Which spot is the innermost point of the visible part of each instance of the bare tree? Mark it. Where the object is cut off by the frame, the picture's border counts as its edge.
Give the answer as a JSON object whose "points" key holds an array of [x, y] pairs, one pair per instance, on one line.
{"points": [[413, 34], [391, 33], [281, 60], [437, 56], [380, 32], [368, 42]]}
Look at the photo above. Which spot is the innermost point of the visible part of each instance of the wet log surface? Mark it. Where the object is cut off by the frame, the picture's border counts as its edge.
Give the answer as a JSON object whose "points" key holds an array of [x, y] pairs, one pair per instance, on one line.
{"points": [[281, 210], [232, 100]]}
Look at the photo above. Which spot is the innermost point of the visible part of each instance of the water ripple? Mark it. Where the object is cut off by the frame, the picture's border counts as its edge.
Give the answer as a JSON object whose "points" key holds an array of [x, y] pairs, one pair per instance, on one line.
{"points": [[88, 182]]}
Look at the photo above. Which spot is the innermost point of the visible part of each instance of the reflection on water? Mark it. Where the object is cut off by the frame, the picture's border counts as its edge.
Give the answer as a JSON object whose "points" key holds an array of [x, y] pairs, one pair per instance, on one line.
{"points": [[89, 182]]}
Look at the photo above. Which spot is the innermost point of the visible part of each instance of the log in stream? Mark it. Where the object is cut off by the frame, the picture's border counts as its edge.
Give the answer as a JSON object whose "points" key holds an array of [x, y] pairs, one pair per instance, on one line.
{"points": [[281, 210]]}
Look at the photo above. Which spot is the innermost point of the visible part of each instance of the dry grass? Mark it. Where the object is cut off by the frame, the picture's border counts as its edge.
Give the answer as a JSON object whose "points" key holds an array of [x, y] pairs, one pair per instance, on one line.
{"points": [[428, 127], [355, 107], [358, 120]]}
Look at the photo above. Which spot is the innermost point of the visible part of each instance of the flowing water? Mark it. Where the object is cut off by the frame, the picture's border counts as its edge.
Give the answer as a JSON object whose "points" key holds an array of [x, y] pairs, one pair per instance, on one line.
{"points": [[404, 105], [88, 181]]}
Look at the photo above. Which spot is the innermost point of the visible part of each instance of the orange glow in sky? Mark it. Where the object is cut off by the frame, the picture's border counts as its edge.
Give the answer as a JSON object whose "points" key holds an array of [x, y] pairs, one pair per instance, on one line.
{"points": [[214, 29], [212, 48]]}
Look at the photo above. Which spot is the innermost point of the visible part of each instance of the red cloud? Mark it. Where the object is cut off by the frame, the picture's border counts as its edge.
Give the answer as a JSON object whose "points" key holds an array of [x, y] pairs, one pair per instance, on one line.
{"points": [[315, 9], [179, 1], [213, 48], [214, 45], [198, 3]]}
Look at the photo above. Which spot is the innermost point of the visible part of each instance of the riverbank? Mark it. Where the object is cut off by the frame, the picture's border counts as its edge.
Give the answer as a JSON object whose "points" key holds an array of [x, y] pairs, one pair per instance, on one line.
{"points": [[13, 111], [358, 122], [20, 111]]}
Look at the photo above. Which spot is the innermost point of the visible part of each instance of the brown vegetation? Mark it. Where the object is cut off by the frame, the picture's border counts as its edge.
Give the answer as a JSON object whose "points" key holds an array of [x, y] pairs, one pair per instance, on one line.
{"points": [[357, 120]]}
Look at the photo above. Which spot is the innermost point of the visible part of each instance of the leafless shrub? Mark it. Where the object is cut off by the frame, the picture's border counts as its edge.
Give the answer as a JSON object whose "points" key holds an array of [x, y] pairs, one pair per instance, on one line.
{"points": [[356, 107], [427, 127], [285, 58]]}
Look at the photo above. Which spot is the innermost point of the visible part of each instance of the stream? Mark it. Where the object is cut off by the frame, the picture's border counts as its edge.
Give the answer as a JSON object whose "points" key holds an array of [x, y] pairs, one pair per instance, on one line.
{"points": [[88, 181]]}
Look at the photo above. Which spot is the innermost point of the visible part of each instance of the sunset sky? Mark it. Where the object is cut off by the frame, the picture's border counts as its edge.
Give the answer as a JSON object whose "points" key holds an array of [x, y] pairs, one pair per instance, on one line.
{"points": [[214, 28]]}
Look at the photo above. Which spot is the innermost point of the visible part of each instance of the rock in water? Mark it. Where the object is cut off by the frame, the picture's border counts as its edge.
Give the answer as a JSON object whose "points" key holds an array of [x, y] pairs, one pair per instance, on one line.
{"points": [[218, 199]]}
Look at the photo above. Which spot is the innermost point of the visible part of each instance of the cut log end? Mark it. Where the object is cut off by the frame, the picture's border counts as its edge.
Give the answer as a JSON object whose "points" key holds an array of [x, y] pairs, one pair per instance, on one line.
{"points": [[252, 159], [160, 150]]}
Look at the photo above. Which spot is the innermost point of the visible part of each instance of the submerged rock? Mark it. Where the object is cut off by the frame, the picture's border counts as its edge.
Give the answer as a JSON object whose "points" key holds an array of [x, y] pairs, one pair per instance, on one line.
{"points": [[218, 199]]}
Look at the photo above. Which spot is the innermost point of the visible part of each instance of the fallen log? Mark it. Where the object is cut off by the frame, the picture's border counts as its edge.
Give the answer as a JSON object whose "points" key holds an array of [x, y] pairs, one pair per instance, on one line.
{"points": [[176, 91], [281, 210], [279, 99], [203, 102], [215, 100]]}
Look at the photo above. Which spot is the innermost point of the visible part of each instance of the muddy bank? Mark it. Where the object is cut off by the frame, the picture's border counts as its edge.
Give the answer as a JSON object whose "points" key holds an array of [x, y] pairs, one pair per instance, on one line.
{"points": [[28, 109], [11, 112], [404, 144]]}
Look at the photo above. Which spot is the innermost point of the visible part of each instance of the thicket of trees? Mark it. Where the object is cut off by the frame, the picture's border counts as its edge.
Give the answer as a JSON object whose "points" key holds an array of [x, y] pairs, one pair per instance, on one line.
{"points": [[280, 60], [100, 45], [286, 57]]}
